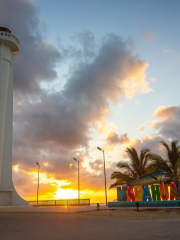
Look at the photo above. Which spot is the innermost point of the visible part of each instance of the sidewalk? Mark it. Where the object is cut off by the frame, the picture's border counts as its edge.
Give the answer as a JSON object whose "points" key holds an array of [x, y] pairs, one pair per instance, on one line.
{"points": [[48, 209]]}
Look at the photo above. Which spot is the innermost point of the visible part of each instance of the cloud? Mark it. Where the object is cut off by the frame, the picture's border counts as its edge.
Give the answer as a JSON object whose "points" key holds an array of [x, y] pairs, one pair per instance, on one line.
{"points": [[168, 123], [50, 126], [37, 59], [166, 112], [168, 127], [114, 71], [64, 118], [114, 139], [104, 127], [86, 42], [96, 165], [149, 35], [152, 143]]}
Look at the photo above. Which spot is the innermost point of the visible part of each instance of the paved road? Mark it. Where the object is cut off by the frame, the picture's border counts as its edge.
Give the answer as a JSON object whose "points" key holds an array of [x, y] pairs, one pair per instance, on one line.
{"points": [[50, 226]]}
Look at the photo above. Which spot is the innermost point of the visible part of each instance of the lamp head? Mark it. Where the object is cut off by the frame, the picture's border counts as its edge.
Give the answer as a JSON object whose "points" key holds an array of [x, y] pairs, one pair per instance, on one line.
{"points": [[100, 149], [37, 163], [75, 159]]}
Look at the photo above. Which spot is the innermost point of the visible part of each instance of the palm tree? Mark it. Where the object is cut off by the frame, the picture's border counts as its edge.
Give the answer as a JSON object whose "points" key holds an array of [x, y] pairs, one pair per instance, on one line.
{"points": [[172, 161], [134, 169]]}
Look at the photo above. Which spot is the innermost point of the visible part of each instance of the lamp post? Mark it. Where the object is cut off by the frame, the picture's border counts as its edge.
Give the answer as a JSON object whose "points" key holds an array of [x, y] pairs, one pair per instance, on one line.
{"points": [[38, 182], [78, 181], [100, 149]]}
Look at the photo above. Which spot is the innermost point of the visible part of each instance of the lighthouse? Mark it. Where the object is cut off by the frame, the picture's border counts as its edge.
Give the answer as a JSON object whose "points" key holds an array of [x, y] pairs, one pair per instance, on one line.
{"points": [[9, 47]]}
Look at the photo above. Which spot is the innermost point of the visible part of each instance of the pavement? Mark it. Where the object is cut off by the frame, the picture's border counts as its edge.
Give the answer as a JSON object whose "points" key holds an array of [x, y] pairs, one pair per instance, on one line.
{"points": [[44, 209], [86, 223]]}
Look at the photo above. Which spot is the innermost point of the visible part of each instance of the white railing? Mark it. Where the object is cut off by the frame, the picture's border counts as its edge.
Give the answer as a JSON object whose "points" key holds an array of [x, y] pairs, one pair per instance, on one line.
{"points": [[61, 202], [7, 35]]}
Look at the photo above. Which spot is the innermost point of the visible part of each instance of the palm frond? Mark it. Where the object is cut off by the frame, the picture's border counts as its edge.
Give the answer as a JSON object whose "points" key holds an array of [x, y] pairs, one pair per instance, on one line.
{"points": [[127, 167], [121, 176], [116, 184]]}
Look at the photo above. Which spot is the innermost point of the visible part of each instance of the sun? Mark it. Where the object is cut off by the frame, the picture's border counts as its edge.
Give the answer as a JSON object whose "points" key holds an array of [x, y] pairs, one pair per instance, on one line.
{"points": [[66, 193]]}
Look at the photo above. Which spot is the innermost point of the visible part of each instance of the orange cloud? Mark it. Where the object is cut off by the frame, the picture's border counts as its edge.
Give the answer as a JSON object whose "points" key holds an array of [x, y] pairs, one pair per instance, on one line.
{"points": [[154, 124], [106, 128], [135, 83], [165, 111], [114, 139]]}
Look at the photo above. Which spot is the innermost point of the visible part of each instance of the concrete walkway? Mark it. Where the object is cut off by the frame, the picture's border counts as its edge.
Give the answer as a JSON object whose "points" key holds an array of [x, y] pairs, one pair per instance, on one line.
{"points": [[80, 226], [84, 222], [44, 209], [71, 209]]}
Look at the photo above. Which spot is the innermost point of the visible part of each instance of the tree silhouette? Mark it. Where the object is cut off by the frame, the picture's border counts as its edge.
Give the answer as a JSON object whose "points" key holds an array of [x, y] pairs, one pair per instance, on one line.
{"points": [[135, 168], [171, 163]]}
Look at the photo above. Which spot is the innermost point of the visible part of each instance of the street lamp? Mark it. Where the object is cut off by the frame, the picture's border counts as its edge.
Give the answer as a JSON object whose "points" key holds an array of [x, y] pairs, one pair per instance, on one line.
{"points": [[78, 180], [38, 182], [100, 149]]}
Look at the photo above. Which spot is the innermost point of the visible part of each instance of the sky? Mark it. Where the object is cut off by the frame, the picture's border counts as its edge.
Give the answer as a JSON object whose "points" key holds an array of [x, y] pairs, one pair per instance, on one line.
{"points": [[90, 74]]}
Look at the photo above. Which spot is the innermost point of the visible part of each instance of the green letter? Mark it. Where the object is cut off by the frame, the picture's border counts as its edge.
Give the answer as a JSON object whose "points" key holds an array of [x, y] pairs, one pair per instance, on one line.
{"points": [[155, 193]]}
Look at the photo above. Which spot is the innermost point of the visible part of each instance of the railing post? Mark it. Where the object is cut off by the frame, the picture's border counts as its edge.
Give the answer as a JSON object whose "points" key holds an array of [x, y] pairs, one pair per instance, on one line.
{"points": [[137, 205], [98, 206]]}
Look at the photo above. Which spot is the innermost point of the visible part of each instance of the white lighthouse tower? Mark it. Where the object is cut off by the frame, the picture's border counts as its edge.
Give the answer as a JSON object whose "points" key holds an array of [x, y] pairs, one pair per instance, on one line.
{"points": [[9, 46]]}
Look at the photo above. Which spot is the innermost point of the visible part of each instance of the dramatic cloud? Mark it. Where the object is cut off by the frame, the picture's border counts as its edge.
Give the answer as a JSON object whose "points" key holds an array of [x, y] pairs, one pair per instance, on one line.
{"points": [[113, 72], [168, 123], [96, 165], [50, 126], [168, 126], [65, 117], [37, 58], [152, 143]]}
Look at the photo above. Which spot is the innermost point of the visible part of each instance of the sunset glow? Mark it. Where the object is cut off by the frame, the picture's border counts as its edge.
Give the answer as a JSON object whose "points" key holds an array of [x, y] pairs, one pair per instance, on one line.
{"points": [[66, 193], [79, 85], [89, 119]]}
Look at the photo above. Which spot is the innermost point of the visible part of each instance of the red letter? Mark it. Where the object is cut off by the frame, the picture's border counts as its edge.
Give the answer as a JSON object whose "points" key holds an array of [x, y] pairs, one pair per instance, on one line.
{"points": [[130, 194], [164, 191], [173, 192]]}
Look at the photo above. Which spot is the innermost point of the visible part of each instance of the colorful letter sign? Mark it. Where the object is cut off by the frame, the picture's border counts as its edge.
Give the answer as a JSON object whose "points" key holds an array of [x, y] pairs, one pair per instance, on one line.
{"points": [[138, 193], [130, 194], [121, 194], [146, 194], [179, 189], [155, 193], [173, 192], [164, 191]]}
